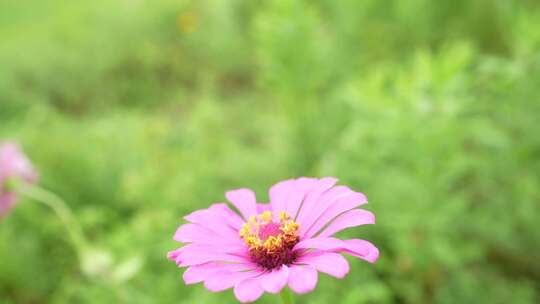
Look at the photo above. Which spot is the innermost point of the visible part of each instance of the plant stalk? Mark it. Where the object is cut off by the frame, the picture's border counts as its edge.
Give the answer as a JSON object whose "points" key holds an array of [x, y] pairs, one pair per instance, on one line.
{"points": [[286, 296], [61, 209]]}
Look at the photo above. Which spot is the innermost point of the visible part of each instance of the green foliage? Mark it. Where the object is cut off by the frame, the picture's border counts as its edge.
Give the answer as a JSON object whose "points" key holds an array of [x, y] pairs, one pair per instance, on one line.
{"points": [[138, 112]]}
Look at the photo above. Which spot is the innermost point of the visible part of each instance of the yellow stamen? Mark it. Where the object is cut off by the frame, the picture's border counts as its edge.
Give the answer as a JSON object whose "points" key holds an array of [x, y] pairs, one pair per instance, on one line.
{"points": [[266, 216], [284, 216], [251, 230], [273, 244], [290, 227]]}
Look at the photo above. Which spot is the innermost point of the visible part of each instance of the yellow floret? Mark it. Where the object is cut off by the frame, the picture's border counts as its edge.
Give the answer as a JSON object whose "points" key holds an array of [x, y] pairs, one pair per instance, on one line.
{"points": [[266, 216], [252, 241], [245, 230], [290, 227], [284, 216], [274, 243]]}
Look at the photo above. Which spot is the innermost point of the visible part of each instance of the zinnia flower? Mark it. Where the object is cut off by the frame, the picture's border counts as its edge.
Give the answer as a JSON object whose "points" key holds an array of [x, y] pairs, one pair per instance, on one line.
{"points": [[265, 247], [14, 165]]}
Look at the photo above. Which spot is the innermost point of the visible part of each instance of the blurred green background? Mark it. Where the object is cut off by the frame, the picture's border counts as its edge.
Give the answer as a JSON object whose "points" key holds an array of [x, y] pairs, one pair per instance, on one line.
{"points": [[138, 112]]}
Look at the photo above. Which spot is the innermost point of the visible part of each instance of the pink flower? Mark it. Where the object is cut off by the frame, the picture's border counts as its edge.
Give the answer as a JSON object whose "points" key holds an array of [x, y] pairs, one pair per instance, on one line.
{"points": [[13, 166], [268, 246]]}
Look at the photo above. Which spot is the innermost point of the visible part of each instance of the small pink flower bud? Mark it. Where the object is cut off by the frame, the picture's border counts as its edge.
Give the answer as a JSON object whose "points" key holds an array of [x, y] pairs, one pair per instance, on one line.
{"points": [[14, 168]]}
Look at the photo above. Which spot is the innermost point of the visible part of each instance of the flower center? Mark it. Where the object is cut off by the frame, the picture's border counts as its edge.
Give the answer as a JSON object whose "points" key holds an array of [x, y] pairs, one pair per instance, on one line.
{"points": [[271, 240]]}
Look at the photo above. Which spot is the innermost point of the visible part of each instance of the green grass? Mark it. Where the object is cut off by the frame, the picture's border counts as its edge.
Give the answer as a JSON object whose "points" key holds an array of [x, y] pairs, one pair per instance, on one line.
{"points": [[138, 112]]}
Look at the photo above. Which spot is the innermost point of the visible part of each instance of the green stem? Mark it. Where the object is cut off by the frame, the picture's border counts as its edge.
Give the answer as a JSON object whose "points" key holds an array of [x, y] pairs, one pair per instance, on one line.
{"points": [[61, 209], [286, 296]]}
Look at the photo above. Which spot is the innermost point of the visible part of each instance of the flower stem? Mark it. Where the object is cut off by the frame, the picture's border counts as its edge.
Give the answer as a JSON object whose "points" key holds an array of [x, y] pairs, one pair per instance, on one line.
{"points": [[286, 296], [61, 209]]}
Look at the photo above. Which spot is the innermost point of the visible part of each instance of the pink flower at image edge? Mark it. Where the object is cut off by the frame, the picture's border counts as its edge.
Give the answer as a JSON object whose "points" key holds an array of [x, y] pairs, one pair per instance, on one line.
{"points": [[265, 247], [14, 165]]}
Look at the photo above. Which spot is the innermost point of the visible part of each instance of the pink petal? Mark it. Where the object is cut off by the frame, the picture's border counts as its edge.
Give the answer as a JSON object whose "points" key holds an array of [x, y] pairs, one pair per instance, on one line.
{"points": [[275, 280], [355, 247], [190, 233], [302, 278], [194, 255], [232, 217], [327, 199], [288, 195], [196, 248], [338, 206], [362, 249], [279, 193], [302, 187], [248, 290], [196, 233], [215, 223], [349, 219], [183, 260], [199, 273], [263, 207], [313, 196], [320, 243], [222, 280], [218, 217], [13, 163], [172, 255], [244, 200], [331, 263]]}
